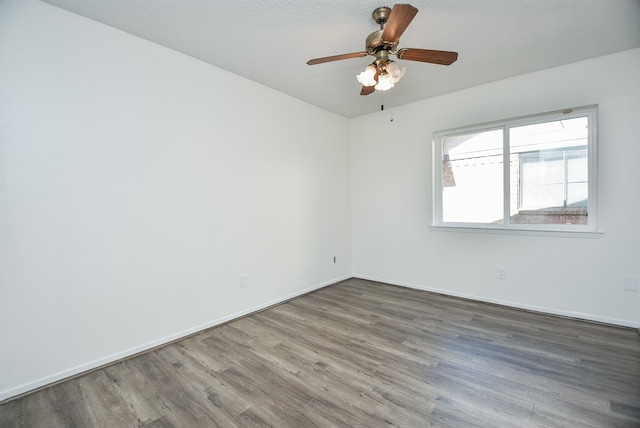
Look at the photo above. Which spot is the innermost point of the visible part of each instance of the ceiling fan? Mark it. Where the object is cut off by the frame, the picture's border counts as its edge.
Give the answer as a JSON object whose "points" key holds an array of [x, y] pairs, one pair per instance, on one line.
{"points": [[383, 73]]}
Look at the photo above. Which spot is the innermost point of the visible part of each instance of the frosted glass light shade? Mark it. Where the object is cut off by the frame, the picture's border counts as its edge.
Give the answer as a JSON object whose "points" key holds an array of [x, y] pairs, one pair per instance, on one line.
{"points": [[367, 77], [385, 82], [395, 71]]}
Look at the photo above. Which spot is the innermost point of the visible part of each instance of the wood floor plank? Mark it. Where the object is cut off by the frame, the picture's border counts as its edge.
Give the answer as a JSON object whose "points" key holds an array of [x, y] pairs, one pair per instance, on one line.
{"points": [[39, 409], [362, 353], [133, 389], [11, 415]]}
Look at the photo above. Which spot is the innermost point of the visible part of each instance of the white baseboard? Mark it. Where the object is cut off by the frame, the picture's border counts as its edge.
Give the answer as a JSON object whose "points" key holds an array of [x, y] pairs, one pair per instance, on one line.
{"points": [[65, 374], [541, 309]]}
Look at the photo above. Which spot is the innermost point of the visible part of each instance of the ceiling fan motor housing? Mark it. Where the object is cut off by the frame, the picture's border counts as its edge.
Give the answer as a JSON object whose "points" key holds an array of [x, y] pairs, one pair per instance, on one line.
{"points": [[374, 43]]}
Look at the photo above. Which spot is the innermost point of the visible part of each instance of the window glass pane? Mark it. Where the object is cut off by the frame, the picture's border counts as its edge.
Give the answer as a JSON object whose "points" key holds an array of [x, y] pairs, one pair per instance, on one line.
{"points": [[472, 177], [577, 179], [578, 170], [577, 194], [541, 180], [552, 172]]}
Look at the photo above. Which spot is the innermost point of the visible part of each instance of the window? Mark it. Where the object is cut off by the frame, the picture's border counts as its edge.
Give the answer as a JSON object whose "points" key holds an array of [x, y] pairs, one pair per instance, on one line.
{"points": [[532, 173]]}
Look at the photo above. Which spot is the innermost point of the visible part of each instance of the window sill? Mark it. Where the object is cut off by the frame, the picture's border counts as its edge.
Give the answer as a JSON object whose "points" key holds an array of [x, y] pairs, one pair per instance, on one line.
{"points": [[592, 234]]}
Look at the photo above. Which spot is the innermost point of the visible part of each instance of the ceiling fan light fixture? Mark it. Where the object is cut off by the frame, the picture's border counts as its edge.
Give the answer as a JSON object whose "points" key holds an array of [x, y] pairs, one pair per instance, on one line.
{"points": [[396, 71], [385, 82], [368, 76], [389, 74]]}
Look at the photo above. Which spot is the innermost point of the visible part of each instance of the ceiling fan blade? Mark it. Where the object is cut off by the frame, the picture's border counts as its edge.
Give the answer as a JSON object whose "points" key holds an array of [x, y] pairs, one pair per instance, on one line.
{"points": [[366, 90], [399, 19], [336, 58], [427, 55]]}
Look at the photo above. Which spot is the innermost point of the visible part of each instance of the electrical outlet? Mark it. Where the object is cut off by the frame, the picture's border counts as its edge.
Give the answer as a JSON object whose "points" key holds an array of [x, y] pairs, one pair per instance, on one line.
{"points": [[243, 280], [501, 273]]}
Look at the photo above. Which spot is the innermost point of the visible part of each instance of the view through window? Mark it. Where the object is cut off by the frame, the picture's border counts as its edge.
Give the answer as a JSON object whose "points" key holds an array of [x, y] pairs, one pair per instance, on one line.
{"points": [[521, 173]]}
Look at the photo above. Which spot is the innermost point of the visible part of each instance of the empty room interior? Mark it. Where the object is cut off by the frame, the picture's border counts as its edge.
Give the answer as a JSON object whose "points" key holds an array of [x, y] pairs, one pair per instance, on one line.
{"points": [[210, 217]]}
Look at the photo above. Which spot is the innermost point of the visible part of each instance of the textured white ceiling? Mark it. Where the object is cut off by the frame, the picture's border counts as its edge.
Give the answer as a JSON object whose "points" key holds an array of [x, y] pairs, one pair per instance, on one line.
{"points": [[270, 42]]}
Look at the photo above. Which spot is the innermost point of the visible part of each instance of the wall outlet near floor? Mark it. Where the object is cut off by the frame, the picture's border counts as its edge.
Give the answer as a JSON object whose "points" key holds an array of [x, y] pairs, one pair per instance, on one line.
{"points": [[501, 272], [631, 283], [243, 280]]}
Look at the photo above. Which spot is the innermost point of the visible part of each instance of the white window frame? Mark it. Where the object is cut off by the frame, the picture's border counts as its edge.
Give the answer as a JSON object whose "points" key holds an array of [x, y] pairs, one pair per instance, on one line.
{"points": [[588, 230]]}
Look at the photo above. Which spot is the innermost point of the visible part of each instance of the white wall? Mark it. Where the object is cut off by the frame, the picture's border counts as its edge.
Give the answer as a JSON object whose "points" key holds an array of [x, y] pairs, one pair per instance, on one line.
{"points": [[392, 198], [137, 184]]}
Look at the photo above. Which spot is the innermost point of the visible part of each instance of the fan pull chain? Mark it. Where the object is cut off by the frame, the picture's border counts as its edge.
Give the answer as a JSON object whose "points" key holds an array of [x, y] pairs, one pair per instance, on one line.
{"points": [[382, 105]]}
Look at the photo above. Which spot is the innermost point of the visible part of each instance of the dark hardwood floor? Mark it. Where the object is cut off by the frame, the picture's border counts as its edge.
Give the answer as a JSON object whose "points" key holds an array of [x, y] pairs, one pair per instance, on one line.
{"points": [[363, 354]]}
